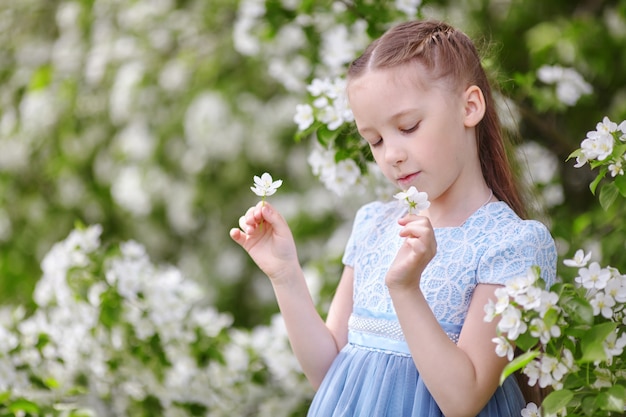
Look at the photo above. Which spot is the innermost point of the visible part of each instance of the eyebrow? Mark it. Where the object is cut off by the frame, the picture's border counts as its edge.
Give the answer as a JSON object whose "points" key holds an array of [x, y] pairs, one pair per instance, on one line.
{"points": [[392, 118]]}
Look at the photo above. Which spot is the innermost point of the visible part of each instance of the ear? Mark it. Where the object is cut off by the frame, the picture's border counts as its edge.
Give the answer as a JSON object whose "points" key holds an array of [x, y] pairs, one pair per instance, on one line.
{"points": [[474, 106]]}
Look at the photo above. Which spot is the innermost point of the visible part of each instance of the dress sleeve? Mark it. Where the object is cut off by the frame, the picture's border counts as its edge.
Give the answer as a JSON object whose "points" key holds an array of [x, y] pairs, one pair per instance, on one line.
{"points": [[350, 253], [516, 251]]}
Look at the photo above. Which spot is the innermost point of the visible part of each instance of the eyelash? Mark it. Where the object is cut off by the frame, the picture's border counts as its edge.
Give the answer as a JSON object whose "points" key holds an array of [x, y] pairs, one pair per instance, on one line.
{"points": [[405, 131], [411, 129]]}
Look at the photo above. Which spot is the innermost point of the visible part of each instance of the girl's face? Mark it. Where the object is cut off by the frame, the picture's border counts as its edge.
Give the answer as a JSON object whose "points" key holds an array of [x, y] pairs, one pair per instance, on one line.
{"points": [[417, 129]]}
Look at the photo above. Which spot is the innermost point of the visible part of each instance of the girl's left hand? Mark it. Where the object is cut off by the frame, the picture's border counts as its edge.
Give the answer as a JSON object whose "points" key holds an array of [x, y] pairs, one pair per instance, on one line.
{"points": [[419, 247]]}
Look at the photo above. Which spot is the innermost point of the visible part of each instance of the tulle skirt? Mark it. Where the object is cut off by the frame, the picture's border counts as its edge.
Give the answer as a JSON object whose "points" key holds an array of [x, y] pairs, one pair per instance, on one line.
{"points": [[365, 382]]}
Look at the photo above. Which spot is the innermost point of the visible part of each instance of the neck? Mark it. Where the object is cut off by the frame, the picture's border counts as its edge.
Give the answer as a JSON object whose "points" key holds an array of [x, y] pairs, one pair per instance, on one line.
{"points": [[450, 211]]}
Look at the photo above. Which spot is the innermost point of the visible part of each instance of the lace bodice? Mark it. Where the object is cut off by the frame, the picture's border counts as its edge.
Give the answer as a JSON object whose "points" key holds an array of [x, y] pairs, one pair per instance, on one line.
{"points": [[492, 246]]}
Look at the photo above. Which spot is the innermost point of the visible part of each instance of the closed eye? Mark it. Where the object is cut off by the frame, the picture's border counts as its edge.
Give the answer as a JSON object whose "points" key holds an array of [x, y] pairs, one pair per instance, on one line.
{"points": [[411, 129], [376, 143]]}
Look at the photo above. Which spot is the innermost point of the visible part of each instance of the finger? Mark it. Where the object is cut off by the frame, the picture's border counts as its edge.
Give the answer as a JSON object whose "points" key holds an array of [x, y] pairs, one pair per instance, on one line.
{"points": [[250, 217], [413, 218], [238, 236], [271, 216], [415, 230]]}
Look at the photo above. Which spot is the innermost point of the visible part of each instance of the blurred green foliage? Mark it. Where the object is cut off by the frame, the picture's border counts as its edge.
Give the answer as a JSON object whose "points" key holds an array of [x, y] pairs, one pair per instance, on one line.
{"points": [[93, 93]]}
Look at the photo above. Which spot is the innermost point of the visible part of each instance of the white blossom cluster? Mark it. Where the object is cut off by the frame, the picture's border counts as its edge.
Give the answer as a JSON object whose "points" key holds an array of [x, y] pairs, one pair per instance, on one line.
{"points": [[569, 84], [600, 144], [606, 287], [126, 330], [340, 41], [541, 172], [524, 307], [518, 295], [330, 105]]}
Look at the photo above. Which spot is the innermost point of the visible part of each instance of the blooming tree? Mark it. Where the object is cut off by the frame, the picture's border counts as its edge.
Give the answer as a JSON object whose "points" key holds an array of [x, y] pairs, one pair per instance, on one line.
{"points": [[149, 118]]}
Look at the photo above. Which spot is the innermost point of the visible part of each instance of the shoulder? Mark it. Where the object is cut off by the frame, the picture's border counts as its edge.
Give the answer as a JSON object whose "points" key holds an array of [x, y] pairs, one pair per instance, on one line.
{"points": [[514, 244], [505, 225], [376, 210]]}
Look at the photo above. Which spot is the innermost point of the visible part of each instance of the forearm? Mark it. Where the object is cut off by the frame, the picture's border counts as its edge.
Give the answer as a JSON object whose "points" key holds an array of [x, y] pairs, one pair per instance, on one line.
{"points": [[312, 342], [447, 371]]}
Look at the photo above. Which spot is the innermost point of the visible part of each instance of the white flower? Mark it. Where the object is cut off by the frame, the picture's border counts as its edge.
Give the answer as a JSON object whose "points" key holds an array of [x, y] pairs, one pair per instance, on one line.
{"points": [[533, 371], [415, 200], [539, 329], [570, 85], [321, 159], [547, 370], [531, 410], [606, 126], [581, 160], [622, 130], [555, 368], [490, 311], [603, 304], [129, 190], [502, 299], [332, 116], [520, 285], [614, 346], [265, 185], [503, 347], [319, 87], [531, 299], [549, 301], [512, 323], [602, 143], [304, 116], [341, 177], [579, 260], [616, 169], [542, 163], [593, 277], [616, 287]]}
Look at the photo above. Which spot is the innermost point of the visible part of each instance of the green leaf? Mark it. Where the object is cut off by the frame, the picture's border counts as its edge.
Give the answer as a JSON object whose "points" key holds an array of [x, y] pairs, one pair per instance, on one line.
{"points": [[526, 342], [594, 183], [24, 405], [518, 363], [5, 396], [608, 194], [592, 342], [612, 399], [620, 183], [556, 401], [578, 309], [551, 317], [325, 135], [41, 78], [51, 383], [574, 154]]}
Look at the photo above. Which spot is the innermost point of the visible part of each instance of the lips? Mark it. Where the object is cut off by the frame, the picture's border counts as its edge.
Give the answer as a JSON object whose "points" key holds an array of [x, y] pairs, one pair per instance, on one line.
{"points": [[407, 179]]}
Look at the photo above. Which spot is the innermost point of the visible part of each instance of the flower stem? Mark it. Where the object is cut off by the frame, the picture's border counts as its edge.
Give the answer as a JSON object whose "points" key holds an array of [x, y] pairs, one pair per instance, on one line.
{"points": [[262, 205]]}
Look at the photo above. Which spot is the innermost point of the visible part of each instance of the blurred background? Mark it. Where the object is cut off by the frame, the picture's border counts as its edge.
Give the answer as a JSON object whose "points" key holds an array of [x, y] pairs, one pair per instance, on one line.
{"points": [[150, 118]]}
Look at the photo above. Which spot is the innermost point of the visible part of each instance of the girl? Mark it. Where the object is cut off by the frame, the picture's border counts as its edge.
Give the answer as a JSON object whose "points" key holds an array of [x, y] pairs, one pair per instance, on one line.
{"points": [[405, 334]]}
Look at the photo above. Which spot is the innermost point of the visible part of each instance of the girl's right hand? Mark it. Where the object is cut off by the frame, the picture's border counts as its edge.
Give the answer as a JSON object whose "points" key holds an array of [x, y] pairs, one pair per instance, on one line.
{"points": [[265, 235]]}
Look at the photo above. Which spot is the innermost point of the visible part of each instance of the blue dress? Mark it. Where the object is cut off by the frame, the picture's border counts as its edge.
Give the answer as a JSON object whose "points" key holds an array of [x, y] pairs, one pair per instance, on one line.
{"points": [[374, 374]]}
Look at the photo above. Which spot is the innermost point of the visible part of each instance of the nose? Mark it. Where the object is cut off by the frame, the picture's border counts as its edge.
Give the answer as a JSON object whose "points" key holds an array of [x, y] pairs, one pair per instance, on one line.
{"points": [[395, 153]]}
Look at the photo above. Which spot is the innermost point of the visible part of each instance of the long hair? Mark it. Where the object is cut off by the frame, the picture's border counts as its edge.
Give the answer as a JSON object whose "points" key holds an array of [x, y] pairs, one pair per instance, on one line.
{"points": [[447, 53]]}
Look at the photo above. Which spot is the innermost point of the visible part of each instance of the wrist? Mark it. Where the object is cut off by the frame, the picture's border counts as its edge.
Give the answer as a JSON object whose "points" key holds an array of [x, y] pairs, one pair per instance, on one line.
{"points": [[412, 287], [287, 275]]}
